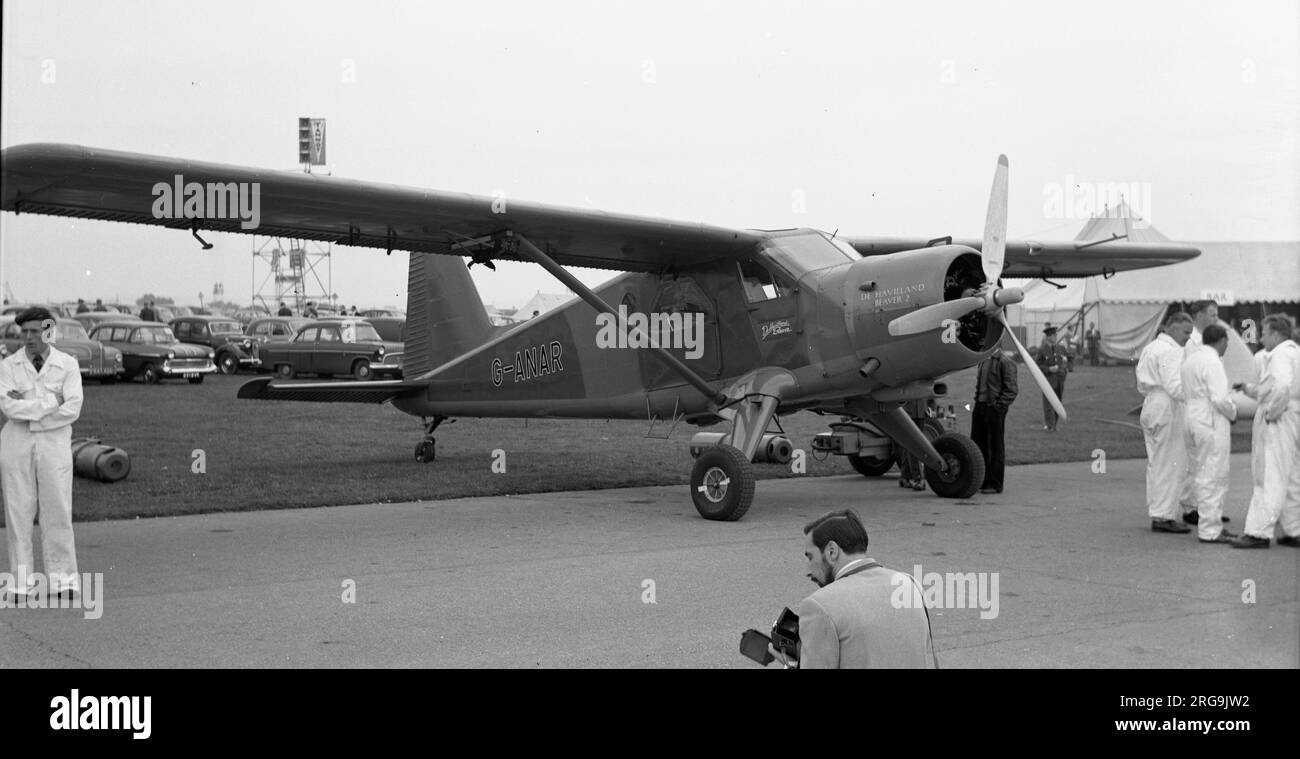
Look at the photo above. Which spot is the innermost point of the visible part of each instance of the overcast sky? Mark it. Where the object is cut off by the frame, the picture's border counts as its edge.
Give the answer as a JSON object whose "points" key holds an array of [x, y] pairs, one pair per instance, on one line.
{"points": [[870, 118]]}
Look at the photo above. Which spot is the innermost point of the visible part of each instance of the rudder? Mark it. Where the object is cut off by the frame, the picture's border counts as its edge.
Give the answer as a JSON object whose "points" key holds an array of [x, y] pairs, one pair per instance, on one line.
{"points": [[445, 317]]}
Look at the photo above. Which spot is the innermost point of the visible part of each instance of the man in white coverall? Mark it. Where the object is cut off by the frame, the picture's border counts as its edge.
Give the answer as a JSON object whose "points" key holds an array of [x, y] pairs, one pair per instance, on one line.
{"points": [[1276, 435], [1203, 313], [40, 395], [1160, 381], [1209, 411]]}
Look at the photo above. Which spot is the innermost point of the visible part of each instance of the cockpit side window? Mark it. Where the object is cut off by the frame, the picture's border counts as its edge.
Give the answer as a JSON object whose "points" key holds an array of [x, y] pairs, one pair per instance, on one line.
{"points": [[759, 283]]}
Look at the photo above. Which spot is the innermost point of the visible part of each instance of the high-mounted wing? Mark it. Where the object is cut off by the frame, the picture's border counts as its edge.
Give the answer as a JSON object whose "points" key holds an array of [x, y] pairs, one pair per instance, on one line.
{"points": [[81, 182], [1051, 260]]}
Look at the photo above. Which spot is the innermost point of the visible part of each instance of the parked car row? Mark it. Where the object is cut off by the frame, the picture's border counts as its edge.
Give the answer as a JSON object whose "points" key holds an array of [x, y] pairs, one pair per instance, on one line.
{"points": [[112, 346], [96, 360]]}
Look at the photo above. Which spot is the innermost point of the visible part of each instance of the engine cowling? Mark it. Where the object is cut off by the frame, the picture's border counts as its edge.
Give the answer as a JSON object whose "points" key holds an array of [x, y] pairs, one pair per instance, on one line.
{"points": [[879, 289]]}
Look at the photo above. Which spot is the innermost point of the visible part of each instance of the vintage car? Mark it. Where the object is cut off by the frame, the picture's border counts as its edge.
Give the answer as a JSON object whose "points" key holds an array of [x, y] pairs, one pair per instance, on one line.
{"points": [[275, 329], [151, 352], [234, 350], [90, 319], [96, 360], [326, 348]]}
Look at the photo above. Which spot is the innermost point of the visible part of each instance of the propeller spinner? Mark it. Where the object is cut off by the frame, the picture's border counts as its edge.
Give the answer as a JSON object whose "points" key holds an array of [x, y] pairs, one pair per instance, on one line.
{"points": [[990, 298]]}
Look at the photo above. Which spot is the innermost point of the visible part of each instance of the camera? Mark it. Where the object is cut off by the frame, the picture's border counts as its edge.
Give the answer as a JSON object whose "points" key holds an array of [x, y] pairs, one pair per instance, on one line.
{"points": [[784, 640]]}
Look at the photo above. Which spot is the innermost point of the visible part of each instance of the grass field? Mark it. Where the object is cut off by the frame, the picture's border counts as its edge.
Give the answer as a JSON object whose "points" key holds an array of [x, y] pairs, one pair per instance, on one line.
{"points": [[267, 455]]}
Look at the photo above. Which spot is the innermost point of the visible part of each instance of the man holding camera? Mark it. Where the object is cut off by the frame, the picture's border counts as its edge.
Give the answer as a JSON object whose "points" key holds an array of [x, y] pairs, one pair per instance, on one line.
{"points": [[852, 622]]}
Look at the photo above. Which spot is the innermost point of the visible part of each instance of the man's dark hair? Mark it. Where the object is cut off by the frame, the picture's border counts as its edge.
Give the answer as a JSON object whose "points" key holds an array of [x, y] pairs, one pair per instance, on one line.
{"points": [[1178, 317], [1213, 334], [843, 527], [33, 314], [1201, 305]]}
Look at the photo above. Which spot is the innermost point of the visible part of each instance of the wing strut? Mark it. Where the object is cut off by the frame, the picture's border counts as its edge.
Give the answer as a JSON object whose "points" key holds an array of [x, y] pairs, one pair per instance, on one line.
{"points": [[531, 252]]}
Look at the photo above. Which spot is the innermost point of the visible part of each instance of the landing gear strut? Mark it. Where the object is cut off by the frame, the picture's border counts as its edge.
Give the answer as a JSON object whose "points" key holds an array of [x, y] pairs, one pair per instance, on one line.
{"points": [[426, 450]]}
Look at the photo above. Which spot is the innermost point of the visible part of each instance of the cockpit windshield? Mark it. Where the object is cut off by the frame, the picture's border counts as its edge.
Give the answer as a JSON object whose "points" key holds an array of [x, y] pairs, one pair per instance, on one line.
{"points": [[807, 252]]}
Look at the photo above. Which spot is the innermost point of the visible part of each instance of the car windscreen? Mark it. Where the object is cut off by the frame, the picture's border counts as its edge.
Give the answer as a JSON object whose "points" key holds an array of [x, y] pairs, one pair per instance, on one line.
{"points": [[226, 328], [70, 331], [153, 335]]}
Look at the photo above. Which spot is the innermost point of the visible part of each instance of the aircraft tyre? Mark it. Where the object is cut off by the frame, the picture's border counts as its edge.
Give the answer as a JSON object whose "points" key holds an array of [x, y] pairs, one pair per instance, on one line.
{"points": [[722, 483], [966, 467], [870, 466], [425, 450]]}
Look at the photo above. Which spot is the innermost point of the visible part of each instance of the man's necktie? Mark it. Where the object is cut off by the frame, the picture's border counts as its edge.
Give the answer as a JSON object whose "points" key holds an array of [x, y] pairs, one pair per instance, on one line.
{"points": [[37, 362]]}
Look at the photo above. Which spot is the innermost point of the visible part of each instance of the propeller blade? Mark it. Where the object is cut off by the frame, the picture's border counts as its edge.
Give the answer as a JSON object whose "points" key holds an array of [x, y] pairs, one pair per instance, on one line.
{"points": [[1048, 392], [993, 252], [933, 316]]}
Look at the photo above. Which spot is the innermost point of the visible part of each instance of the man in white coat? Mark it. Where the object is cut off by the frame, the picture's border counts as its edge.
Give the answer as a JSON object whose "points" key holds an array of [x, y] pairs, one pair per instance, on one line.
{"points": [[40, 395], [1203, 313], [1209, 412], [1276, 436], [1160, 381]]}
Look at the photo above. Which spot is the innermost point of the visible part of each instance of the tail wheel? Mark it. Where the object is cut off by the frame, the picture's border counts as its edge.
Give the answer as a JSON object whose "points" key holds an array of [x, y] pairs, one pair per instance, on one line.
{"points": [[965, 471], [870, 466], [722, 483], [425, 450]]}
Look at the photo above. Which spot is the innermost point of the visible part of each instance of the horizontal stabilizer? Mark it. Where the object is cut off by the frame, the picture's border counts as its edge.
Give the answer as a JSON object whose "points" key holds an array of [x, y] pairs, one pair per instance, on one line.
{"points": [[261, 389]]}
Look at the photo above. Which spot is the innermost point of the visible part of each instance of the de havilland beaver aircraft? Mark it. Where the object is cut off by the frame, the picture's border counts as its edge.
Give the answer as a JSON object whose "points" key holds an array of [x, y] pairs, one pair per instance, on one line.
{"points": [[789, 320]]}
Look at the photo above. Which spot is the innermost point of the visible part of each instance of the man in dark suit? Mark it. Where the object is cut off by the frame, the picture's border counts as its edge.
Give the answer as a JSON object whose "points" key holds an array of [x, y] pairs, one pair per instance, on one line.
{"points": [[995, 390], [1052, 360], [148, 314]]}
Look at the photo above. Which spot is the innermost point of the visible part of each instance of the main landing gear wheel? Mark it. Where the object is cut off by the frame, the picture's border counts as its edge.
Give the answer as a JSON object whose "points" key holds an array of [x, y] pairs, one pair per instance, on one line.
{"points": [[722, 483], [965, 467], [425, 450], [870, 466]]}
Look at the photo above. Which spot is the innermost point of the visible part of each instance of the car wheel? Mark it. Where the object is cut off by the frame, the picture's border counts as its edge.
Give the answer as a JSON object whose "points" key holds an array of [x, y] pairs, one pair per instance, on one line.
{"points": [[285, 371], [361, 370], [228, 363], [722, 483], [149, 374]]}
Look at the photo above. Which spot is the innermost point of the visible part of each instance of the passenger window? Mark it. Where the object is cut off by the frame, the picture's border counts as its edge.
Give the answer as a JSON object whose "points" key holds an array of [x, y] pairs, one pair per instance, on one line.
{"points": [[121, 334], [309, 335], [329, 335], [758, 281]]}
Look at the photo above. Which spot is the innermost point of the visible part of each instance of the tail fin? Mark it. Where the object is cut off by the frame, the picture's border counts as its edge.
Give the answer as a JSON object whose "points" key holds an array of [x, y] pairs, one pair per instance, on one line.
{"points": [[445, 317]]}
